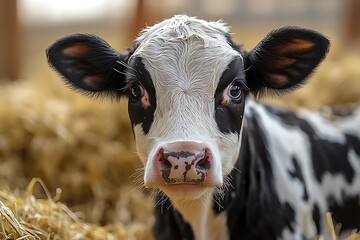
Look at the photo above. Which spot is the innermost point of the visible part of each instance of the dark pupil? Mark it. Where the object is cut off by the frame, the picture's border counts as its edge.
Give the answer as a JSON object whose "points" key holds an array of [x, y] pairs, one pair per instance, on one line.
{"points": [[235, 91], [136, 91]]}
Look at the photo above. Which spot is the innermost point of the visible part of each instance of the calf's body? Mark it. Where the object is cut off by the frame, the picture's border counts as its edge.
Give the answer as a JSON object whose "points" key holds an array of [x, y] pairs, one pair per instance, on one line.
{"points": [[225, 166], [293, 168]]}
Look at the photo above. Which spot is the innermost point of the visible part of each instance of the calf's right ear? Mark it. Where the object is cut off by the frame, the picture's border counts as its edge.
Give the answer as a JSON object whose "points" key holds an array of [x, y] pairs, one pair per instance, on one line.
{"points": [[284, 59], [89, 63]]}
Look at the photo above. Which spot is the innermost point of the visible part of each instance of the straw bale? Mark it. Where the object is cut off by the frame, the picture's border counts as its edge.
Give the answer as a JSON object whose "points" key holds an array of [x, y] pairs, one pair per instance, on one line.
{"points": [[69, 141], [26, 217], [83, 146], [23, 216]]}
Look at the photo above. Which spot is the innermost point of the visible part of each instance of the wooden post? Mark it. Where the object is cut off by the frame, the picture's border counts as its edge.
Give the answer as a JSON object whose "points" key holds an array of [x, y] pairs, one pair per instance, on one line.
{"points": [[140, 18], [144, 15], [352, 23], [9, 40]]}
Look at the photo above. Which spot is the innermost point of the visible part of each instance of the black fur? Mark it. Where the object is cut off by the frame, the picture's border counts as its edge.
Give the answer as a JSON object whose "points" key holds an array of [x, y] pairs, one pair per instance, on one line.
{"points": [[89, 63], [329, 157], [169, 223], [137, 113], [297, 173], [280, 53], [229, 118], [91, 70]]}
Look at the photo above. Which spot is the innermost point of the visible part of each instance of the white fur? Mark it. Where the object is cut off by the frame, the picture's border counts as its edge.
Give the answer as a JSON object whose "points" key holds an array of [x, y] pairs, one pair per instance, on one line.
{"points": [[284, 142], [185, 58], [205, 223]]}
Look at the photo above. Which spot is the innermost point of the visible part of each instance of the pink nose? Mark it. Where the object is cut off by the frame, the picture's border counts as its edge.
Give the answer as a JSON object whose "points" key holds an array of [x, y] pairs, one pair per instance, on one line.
{"points": [[184, 163]]}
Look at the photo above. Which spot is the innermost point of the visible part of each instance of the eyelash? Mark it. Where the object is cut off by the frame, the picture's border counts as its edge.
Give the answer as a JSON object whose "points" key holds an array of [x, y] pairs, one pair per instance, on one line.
{"points": [[129, 83], [242, 82]]}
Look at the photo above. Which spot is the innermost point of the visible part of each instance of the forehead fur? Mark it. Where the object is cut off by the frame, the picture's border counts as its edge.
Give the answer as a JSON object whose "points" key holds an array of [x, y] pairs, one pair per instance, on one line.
{"points": [[185, 53], [182, 27]]}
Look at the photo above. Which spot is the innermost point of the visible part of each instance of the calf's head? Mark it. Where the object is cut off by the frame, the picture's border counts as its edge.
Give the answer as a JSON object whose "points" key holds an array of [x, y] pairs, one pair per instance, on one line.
{"points": [[186, 84]]}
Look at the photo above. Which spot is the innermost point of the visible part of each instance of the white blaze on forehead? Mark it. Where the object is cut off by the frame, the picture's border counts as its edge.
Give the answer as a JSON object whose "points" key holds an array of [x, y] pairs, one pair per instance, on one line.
{"points": [[185, 58], [184, 53], [184, 27]]}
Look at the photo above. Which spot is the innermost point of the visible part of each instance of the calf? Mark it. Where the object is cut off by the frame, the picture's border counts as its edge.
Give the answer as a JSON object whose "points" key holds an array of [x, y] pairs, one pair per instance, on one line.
{"points": [[225, 170]]}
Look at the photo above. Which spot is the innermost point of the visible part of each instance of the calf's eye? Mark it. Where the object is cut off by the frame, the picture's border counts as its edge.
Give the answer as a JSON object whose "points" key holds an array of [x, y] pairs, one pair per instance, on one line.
{"points": [[136, 92], [235, 91]]}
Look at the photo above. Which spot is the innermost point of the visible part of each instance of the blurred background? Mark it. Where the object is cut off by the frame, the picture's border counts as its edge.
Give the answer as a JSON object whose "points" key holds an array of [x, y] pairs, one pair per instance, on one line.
{"points": [[85, 146], [28, 27]]}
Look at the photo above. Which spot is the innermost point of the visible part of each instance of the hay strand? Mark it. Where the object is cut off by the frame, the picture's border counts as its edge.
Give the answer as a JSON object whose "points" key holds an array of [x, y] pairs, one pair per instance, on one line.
{"points": [[335, 230], [26, 217]]}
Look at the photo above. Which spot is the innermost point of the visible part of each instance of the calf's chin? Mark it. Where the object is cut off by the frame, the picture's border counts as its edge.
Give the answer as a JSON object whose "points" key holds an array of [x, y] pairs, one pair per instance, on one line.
{"points": [[187, 192]]}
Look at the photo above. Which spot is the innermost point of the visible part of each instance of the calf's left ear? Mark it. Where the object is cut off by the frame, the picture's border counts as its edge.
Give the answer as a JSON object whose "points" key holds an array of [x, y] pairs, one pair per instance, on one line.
{"points": [[284, 59]]}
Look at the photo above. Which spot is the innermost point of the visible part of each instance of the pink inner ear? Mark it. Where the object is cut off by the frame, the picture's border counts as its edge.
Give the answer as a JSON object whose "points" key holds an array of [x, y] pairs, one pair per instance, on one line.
{"points": [[278, 80], [93, 81], [296, 45], [285, 62], [76, 49]]}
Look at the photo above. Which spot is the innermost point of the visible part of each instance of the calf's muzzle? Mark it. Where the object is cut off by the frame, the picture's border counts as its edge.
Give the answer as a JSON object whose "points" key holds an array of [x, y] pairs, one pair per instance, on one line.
{"points": [[184, 163]]}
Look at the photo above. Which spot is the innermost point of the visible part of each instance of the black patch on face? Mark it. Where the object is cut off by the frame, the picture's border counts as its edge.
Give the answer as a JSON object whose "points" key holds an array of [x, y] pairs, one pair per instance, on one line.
{"points": [[346, 213], [316, 218], [229, 118], [138, 114], [297, 173], [169, 223], [327, 156]]}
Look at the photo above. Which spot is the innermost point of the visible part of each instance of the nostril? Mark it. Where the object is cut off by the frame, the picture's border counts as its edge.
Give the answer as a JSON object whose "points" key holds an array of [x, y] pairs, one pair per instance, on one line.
{"points": [[164, 163], [203, 164]]}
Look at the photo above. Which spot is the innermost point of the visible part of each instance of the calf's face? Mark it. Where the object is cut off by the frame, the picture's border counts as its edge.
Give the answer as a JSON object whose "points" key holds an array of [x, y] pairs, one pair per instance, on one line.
{"points": [[186, 83]]}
